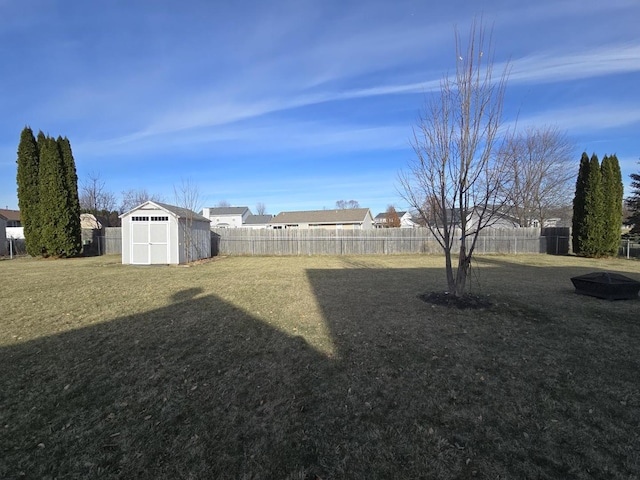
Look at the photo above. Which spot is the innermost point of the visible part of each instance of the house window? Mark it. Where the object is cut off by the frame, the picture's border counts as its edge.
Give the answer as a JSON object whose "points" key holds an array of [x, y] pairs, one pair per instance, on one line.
{"points": [[159, 219], [139, 219]]}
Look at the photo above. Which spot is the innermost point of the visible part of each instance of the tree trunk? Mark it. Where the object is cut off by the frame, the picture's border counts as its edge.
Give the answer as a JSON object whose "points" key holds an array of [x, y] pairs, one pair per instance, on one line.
{"points": [[464, 261]]}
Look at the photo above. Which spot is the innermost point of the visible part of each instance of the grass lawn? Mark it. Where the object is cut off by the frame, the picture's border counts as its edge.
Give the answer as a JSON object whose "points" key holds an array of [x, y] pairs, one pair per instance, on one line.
{"points": [[315, 368]]}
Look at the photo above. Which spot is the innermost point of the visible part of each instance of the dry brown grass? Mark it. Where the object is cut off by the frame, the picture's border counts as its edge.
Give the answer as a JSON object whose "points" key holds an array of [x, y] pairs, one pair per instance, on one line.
{"points": [[308, 367]]}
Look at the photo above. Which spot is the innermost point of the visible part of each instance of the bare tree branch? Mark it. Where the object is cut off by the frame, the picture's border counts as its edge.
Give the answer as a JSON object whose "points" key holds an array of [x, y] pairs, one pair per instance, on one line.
{"points": [[261, 208], [346, 204], [93, 195], [187, 196], [132, 198], [541, 173]]}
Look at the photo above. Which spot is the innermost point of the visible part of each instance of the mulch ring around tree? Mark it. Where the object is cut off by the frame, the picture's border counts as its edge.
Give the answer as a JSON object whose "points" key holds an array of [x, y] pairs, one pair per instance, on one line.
{"points": [[467, 301]]}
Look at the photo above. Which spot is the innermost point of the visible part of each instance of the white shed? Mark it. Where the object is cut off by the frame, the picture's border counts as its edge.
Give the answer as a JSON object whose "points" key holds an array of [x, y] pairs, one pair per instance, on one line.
{"points": [[155, 233], [3, 235]]}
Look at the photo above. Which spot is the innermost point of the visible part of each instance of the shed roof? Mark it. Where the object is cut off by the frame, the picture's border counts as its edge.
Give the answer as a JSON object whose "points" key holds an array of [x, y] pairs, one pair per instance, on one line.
{"points": [[179, 212], [348, 215]]}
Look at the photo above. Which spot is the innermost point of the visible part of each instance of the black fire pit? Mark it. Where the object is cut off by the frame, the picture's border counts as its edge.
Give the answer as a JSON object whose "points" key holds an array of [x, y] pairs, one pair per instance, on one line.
{"points": [[610, 286]]}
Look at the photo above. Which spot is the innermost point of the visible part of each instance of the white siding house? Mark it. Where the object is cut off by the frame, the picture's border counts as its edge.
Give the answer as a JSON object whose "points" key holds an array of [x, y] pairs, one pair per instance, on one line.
{"points": [[155, 233], [227, 217], [15, 229]]}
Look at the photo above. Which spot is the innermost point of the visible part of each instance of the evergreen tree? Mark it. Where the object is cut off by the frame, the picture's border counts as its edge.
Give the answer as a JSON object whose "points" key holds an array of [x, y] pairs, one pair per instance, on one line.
{"points": [[28, 192], [53, 198], [593, 223], [578, 204], [70, 230], [612, 204], [633, 203]]}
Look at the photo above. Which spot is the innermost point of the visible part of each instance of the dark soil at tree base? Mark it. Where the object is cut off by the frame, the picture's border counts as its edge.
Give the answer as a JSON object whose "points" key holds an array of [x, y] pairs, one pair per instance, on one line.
{"points": [[445, 299]]}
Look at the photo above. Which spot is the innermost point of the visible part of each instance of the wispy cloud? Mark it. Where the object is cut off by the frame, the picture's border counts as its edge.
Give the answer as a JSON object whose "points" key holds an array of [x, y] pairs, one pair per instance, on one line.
{"points": [[558, 67], [586, 118]]}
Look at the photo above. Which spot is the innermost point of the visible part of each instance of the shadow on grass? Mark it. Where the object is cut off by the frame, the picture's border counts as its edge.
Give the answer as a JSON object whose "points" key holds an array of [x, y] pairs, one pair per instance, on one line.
{"points": [[201, 389]]}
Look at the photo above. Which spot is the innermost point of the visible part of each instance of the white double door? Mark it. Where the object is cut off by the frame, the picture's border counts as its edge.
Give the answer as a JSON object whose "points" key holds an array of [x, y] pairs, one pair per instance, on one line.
{"points": [[149, 243]]}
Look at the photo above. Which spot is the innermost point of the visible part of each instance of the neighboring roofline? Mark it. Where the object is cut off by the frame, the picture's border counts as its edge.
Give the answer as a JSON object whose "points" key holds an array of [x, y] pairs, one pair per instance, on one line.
{"points": [[289, 221], [239, 210], [11, 214]]}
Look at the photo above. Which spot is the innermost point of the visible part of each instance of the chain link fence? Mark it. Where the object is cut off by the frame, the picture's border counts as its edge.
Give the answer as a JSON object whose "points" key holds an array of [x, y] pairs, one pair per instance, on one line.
{"points": [[629, 247]]}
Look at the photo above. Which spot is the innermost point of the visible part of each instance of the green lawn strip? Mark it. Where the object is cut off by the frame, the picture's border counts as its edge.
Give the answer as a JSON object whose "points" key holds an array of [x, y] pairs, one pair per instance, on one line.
{"points": [[280, 367]]}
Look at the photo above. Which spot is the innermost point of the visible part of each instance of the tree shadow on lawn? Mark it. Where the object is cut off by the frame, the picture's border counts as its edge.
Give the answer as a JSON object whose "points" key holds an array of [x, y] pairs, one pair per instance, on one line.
{"points": [[201, 389]]}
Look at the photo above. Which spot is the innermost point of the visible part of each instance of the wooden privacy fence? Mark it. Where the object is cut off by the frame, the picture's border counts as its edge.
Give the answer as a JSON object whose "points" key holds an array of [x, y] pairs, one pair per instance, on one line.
{"points": [[388, 241], [112, 240]]}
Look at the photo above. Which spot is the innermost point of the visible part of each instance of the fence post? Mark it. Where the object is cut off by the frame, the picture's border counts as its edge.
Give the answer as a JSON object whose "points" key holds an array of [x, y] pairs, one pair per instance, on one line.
{"points": [[628, 247]]}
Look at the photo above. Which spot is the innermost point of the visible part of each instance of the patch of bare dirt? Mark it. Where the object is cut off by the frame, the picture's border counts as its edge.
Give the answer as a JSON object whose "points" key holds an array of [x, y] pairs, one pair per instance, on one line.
{"points": [[467, 301]]}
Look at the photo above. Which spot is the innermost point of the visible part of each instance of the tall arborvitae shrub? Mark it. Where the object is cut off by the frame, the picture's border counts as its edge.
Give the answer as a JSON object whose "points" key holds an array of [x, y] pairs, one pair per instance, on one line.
{"points": [[612, 204], [28, 192], [53, 198], [70, 230], [578, 205], [48, 195], [593, 222], [633, 204]]}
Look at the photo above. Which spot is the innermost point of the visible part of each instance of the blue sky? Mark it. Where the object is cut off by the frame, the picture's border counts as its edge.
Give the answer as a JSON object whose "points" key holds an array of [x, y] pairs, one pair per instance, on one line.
{"points": [[295, 104]]}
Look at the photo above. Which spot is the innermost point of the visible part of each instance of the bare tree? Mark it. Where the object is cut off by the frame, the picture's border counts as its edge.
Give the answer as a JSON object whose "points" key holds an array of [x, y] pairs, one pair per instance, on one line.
{"points": [[346, 204], [94, 197], [261, 208], [456, 171], [187, 197], [223, 204], [132, 198], [392, 220], [539, 161]]}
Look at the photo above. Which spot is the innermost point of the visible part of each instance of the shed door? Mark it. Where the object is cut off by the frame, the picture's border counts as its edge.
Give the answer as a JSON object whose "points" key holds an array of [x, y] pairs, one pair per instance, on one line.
{"points": [[149, 240]]}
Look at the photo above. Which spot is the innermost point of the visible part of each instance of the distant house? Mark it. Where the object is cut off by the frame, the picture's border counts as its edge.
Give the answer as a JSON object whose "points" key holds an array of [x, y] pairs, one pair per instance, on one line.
{"points": [[89, 222], [3, 235], [257, 221], [227, 217], [406, 220], [14, 225], [347, 219], [156, 233], [499, 218]]}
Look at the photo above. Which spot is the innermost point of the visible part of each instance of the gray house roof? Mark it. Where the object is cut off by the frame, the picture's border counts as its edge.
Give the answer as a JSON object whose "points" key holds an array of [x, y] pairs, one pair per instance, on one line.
{"points": [[228, 210], [10, 214], [383, 215], [258, 219], [349, 215], [177, 211]]}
